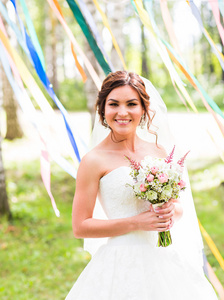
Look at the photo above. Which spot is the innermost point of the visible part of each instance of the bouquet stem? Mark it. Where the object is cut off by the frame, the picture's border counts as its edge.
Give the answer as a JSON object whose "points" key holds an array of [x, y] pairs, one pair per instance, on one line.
{"points": [[164, 239]]}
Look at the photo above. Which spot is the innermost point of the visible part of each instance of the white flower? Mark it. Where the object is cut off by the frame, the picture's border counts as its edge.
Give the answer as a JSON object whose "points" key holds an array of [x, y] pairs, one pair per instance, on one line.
{"points": [[137, 187], [142, 175], [151, 195]]}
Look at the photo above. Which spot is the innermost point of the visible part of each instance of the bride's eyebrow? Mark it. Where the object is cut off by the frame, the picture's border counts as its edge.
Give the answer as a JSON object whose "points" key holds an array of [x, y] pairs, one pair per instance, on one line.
{"points": [[134, 99]]}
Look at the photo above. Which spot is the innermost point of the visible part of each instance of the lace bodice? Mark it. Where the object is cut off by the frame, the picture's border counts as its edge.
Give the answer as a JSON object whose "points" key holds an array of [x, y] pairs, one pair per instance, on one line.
{"points": [[117, 198]]}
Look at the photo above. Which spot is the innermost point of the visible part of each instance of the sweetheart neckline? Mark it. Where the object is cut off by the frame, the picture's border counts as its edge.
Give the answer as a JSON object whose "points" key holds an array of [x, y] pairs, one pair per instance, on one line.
{"points": [[112, 171], [126, 166]]}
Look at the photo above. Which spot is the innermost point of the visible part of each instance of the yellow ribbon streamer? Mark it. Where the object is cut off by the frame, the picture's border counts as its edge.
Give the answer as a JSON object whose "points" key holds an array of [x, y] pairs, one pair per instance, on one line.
{"points": [[106, 24], [212, 246], [163, 52], [220, 53]]}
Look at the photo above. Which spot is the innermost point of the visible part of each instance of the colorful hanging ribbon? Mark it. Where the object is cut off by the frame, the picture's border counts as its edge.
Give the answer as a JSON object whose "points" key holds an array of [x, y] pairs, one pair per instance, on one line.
{"points": [[32, 32], [55, 6], [190, 76], [162, 51], [18, 34], [106, 24], [215, 9], [44, 79], [31, 84], [79, 67], [90, 39], [212, 246], [30, 112], [89, 19], [168, 23], [180, 84], [197, 15]]}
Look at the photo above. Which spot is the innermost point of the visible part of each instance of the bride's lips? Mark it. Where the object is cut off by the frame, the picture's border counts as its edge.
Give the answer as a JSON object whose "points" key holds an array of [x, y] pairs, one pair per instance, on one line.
{"points": [[122, 121]]}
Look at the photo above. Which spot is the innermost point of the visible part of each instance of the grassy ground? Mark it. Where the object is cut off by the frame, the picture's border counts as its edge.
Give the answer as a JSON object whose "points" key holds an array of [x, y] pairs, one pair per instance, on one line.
{"points": [[40, 258]]}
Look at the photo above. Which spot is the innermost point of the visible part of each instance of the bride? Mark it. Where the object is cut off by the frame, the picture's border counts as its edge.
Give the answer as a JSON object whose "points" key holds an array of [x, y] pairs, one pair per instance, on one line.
{"points": [[129, 266]]}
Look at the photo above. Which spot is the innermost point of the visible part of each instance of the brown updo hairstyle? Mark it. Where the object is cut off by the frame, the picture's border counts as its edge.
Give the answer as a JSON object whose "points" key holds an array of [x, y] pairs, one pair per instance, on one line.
{"points": [[122, 78]]}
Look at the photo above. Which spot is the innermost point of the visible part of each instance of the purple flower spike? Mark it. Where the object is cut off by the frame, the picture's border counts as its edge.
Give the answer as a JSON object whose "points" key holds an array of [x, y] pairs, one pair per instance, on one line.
{"points": [[181, 160], [169, 158]]}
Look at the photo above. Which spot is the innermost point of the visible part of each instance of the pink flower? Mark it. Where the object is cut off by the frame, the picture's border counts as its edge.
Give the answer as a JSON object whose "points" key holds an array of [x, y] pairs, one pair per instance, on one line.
{"points": [[154, 170], [150, 177], [182, 183], [169, 158], [142, 188], [163, 178]]}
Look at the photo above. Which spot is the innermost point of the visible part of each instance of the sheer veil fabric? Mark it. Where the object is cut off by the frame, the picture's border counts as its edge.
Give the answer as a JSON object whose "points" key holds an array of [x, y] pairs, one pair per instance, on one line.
{"points": [[185, 233]]}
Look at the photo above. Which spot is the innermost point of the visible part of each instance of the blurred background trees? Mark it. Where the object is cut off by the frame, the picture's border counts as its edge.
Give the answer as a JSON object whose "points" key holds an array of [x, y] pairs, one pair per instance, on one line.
{"points": [[140, 55]]}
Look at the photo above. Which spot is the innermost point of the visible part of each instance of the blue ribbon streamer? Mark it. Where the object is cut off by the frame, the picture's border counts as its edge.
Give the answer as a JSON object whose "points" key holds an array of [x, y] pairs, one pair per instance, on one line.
{"points": [[48, 86], [20, 97], [32, 32]]}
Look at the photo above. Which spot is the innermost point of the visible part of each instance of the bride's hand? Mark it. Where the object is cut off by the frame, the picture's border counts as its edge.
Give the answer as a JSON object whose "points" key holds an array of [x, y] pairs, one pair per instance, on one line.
{"points": [[153, 221]]}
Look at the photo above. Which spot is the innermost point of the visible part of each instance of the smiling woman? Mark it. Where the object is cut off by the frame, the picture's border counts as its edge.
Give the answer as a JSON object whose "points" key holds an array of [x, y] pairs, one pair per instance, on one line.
{"points": [[125, 112], [130, 265]]}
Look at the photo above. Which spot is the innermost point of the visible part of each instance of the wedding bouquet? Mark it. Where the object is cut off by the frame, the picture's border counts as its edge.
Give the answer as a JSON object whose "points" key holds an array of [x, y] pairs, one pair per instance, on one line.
{"points": [[157, 180]]}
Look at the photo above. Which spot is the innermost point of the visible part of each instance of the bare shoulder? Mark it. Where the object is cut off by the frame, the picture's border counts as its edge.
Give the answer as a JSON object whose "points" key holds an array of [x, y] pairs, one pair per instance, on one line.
{"points": [[91, 164]]}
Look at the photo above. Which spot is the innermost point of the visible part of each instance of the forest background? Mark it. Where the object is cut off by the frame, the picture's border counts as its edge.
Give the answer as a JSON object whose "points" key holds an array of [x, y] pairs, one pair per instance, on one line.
{"points": [[40, 259]]}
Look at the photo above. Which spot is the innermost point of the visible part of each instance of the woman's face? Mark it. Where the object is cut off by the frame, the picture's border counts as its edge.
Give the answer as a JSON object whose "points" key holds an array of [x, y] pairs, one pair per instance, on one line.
{"points": [[123, 110]]}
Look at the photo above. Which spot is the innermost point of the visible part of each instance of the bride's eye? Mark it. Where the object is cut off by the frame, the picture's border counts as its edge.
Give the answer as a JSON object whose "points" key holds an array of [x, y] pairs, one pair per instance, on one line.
{"points": [[113, 104], [132, 104]]}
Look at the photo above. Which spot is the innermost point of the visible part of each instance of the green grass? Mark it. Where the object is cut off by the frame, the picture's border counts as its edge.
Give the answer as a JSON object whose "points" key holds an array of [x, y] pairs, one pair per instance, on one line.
{"points": [[40, 258], [208, 192]]}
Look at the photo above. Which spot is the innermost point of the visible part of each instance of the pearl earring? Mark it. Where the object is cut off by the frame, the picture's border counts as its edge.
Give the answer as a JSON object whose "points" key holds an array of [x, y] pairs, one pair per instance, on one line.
{"points": [[105, 123], [142, 122]]}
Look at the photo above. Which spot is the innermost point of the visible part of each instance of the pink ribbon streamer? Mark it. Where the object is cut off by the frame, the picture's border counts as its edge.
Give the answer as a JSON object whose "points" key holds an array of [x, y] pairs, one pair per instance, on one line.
{"points": [[46, 174], [44, 159], [169, 25], [215, 9]]}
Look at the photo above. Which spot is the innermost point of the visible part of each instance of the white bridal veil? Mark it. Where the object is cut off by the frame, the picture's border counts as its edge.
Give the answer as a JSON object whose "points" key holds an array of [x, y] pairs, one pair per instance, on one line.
{"points": [[185, 233]]}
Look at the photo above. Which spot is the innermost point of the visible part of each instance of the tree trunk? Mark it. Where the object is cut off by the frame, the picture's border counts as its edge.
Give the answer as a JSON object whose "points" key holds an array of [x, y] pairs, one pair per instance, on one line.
{"points": [[50, 50], [222, 76], [144, 50], [116, 19], [4, 204], [54, 78], [13, 129], [90, 87]]}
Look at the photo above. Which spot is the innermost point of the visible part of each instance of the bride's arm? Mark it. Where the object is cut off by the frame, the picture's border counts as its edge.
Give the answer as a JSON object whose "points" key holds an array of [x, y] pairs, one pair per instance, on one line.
{"points": [[84, 225]]}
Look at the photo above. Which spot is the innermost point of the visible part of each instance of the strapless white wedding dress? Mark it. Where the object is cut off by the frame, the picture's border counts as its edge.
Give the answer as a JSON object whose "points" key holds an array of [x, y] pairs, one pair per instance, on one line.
{"points": [[131, 266]]}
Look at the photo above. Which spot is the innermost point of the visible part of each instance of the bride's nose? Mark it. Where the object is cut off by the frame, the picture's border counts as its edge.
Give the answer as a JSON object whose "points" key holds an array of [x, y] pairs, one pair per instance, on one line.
{"points": [[122, 111]]}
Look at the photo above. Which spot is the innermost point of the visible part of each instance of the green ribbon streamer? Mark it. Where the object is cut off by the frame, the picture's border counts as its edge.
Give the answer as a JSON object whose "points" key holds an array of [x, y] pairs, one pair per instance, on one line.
{"points": [[88, 34], [32, 32]]}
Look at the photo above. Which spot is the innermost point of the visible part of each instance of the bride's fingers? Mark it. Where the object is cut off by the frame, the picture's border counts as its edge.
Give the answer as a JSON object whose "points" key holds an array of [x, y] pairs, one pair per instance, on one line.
{"points": [[166, 210], [166, 216], [162, 227]]}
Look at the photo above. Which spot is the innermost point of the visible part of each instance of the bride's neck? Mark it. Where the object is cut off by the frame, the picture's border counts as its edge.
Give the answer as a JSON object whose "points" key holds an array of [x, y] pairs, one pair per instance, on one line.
{"points": [[128, 144]]}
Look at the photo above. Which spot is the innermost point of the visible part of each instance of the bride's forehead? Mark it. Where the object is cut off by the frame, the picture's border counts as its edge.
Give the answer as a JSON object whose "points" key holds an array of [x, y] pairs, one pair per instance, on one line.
{"points": [[123, 92]]}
